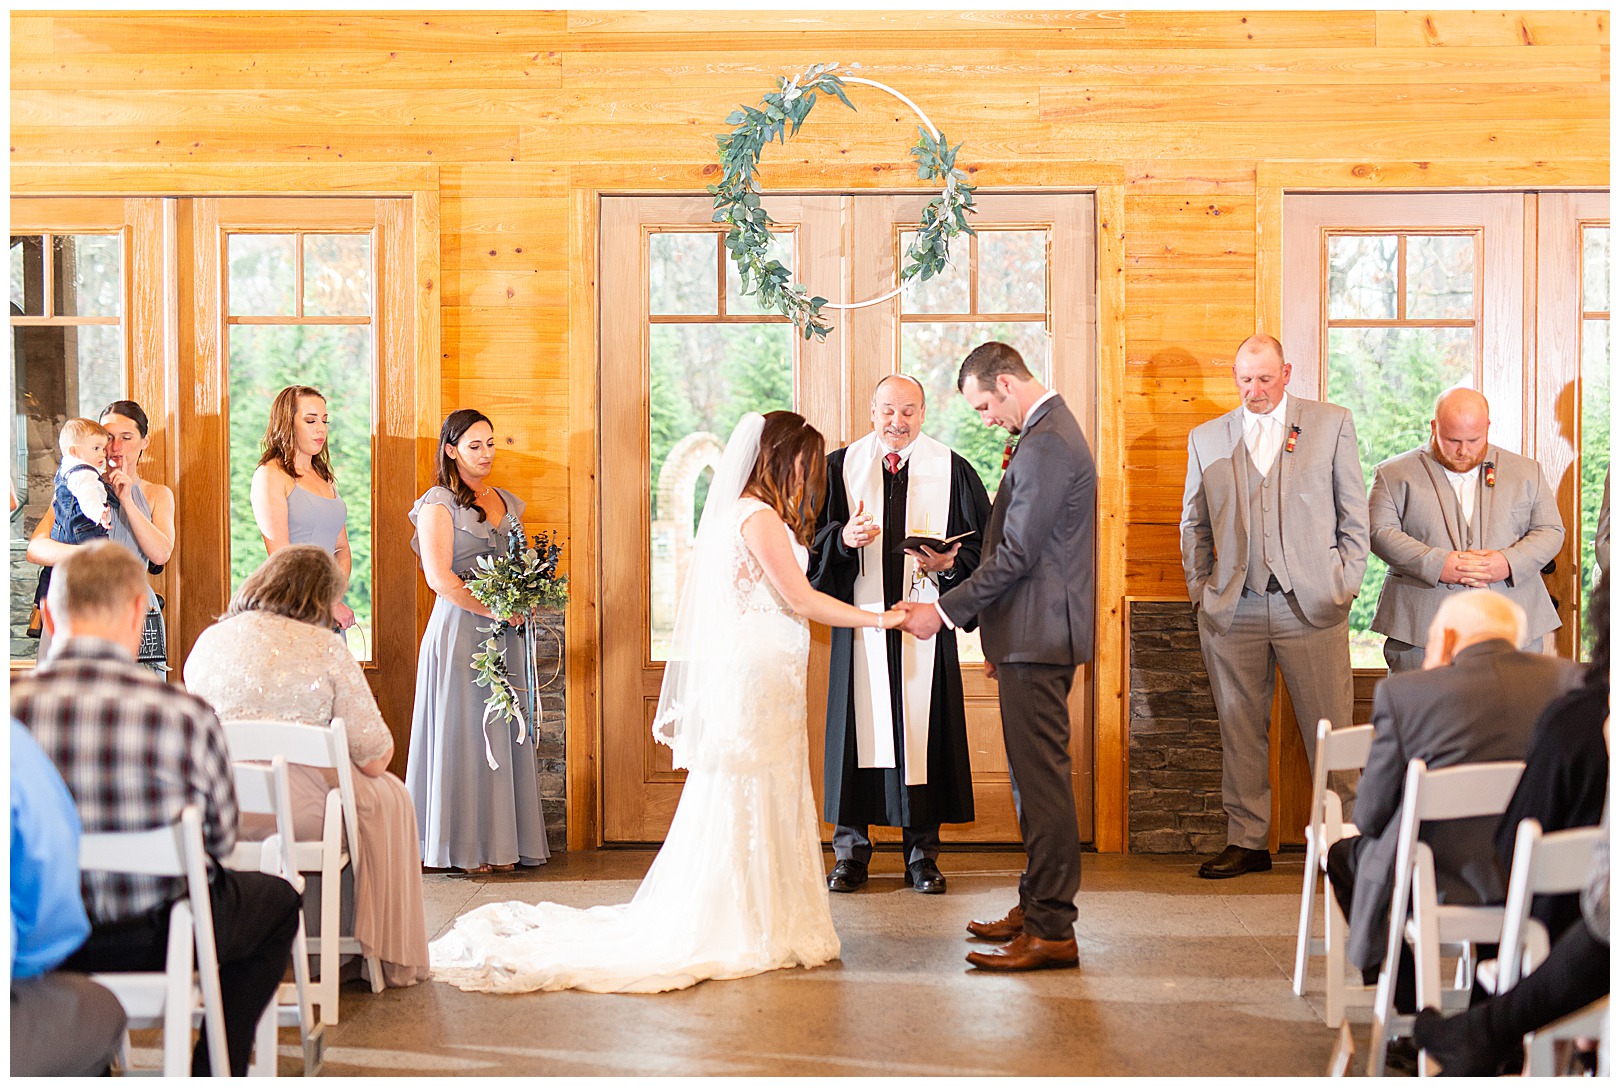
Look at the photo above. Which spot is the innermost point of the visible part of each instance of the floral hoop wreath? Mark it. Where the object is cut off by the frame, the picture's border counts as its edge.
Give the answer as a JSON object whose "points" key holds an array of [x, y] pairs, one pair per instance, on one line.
{"points": [[736, 197]]}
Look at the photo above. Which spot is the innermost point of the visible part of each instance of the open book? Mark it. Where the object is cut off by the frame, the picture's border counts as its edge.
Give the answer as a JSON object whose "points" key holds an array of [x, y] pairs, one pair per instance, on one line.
{"points": [[932, 543]]}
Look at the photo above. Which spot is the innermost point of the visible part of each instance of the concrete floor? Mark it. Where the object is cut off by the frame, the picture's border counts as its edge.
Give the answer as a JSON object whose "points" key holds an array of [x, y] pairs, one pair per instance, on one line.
{"points": [[1178, 976]]}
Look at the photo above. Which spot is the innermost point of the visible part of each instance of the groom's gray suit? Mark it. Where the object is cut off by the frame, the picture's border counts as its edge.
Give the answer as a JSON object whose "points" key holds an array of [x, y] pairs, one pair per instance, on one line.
{"points": [[1033, 597], [1273, 563]]}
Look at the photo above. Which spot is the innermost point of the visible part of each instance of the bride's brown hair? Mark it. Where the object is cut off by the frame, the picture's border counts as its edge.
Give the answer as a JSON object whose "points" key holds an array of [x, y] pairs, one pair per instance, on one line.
{"points": [[790, 475]]}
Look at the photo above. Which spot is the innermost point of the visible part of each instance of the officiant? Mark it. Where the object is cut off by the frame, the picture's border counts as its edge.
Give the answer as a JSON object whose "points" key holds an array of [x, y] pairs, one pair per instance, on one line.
{"points": [[897, 752]]}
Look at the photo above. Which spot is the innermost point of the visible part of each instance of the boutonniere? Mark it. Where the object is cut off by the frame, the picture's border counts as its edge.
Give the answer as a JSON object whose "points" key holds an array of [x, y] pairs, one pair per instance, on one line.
{"points": [[1006, 454], [1490, 473], [1293, 438]]}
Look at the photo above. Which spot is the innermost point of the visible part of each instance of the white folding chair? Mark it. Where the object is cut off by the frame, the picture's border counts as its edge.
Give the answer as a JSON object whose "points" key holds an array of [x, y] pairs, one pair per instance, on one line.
{"points": [[189, 982], [1592, 1021], [263, 790], [1416, 915], [326, 748], [1336, 749]]}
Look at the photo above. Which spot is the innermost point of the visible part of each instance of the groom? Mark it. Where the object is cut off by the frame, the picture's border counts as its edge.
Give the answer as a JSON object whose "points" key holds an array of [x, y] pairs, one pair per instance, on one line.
{"points": [[1033, 598]]}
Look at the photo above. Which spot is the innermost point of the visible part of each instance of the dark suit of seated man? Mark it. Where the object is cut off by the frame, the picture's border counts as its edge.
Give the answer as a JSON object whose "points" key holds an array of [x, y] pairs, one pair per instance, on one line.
{"points": [[106, 721], [1476, 700]]}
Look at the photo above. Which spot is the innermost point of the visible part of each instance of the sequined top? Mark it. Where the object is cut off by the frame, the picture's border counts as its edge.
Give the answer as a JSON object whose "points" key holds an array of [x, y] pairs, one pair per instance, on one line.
{"points": [[259, 666]]}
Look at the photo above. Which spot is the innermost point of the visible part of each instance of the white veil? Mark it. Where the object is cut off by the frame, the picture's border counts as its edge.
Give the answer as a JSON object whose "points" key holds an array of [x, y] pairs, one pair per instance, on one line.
{"points": [[708, 618]]}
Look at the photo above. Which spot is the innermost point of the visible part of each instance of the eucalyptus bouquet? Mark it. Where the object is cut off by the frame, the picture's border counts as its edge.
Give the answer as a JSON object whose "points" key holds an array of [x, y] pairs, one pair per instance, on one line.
{"points": [[513, 586]]}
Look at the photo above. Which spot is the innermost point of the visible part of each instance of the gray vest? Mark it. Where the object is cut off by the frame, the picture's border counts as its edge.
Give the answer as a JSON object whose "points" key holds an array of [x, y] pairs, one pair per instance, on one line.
{"points": [[1266, 559]]}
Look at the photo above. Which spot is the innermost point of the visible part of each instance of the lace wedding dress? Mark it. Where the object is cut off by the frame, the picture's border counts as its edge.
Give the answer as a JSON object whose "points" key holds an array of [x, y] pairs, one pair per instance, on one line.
{"points": [[738, 887]]}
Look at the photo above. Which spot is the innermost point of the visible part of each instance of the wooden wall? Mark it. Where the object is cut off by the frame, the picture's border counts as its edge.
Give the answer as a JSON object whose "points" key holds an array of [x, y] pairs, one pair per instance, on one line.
{"points": [[1201, 118]]}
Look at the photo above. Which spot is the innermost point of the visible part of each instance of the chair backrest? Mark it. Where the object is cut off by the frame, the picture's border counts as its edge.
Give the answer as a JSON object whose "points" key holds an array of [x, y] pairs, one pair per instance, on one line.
{"points": [[263, 790], [1554, 863], [1336, 749], [175, 850], [302, 745]]}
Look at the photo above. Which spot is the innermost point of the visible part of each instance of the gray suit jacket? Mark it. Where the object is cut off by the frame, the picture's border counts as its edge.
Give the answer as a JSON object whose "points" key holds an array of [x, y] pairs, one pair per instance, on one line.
{"points": [[1410, 531], [1034, 593], [1481, 708], [1324, 513]]}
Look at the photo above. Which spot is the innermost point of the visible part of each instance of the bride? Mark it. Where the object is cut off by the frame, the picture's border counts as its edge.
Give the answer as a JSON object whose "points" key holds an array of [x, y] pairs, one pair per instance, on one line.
{"points": [[737, 888]]}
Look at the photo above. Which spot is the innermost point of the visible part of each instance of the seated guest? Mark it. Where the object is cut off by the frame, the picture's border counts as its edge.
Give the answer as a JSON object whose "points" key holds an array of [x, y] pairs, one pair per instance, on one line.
{"points": [[1566, 772], [134, 751], [61, 1024], [1476, 700], [1487, 1039], [274, 657]]}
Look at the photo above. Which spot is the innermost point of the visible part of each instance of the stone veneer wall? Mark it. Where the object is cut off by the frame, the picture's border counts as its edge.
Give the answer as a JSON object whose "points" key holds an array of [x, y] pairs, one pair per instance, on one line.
{"points": [[1175, 738], [550, 752]]}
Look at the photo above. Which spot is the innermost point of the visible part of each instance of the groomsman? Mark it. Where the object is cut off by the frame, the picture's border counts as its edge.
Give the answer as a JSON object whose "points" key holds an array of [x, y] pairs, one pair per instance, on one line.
{"points": [[1034, 598], [1455, 514], [897, 751], [1273, 545]]}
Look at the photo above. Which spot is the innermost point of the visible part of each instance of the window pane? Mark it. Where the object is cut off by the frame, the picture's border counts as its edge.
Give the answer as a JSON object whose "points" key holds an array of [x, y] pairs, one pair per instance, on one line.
{"points": [[1389, 378], [264, 359], [1361, 276], [261, 275], [1012, 271], [1594, 455], [337, 275], [1595, 269], [704, 378], [681, 273], [1440, 275], [780, 249], [56, 373], [88, 275], [946, 292], [27, 276]]}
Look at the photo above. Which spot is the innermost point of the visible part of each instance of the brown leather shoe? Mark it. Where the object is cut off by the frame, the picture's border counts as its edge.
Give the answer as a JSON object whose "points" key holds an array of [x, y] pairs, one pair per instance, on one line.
{"points": [[1004, 929], [1028, 952]]}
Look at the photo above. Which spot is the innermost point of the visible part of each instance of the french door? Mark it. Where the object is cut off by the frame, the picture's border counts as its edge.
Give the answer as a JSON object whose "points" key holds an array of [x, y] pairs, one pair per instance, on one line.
{"points": [[684, 354]]}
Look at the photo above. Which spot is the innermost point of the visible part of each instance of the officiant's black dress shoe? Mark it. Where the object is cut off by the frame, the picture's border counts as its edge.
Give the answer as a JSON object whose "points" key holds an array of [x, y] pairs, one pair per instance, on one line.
{"points": [[925, 876], [1234, 861], [846, 876]]}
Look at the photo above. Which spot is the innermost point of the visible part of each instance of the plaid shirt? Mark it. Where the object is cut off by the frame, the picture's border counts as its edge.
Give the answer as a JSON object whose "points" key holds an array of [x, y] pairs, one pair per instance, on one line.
{"points": [[133, 751]]}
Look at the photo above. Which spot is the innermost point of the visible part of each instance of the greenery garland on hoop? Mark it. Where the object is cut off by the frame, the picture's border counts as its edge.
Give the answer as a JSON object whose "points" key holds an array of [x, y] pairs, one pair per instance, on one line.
{"points": [[736, 197]]}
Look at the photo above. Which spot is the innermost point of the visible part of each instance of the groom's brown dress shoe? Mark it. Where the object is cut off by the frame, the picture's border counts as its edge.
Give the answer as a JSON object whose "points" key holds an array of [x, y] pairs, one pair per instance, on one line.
{"points": [[1004, 929], [1028, 952]]}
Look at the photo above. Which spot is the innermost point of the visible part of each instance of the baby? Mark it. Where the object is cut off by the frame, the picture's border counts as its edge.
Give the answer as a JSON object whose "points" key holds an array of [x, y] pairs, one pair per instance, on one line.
{"points": [[84, 503]]}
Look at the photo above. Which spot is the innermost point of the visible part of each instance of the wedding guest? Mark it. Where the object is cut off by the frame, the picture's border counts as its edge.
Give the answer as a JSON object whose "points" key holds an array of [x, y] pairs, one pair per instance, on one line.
{"points": [[295, 499], [272, 657], [91, 708], [1455, 514], [143, 521], [62, 1024], [476, 788]]}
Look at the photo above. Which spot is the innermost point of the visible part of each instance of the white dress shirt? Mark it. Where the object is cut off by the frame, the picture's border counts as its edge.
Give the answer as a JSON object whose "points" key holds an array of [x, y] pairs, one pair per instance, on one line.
{"points": [[1466, 484], [1263, 434]]}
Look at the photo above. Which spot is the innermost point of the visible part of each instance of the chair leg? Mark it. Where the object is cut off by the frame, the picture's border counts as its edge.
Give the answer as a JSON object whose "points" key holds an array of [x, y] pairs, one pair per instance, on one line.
{"points": [[1334, 932], [265, 1043], [331, 899], [1307, 904]]}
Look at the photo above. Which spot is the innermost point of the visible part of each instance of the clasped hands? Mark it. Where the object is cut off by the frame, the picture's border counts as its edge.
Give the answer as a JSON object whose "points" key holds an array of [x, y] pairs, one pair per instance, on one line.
{"points": [[1476, 569]]}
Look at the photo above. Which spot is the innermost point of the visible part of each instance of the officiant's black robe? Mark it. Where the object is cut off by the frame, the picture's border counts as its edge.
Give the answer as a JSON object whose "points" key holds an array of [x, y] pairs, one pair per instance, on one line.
{"points": [[876, 796]]}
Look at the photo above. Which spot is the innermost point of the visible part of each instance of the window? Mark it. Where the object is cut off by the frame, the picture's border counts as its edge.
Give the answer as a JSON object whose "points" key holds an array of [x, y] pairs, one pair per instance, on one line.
{"points": [[300, 311], [67, 360], [1594, 385]]}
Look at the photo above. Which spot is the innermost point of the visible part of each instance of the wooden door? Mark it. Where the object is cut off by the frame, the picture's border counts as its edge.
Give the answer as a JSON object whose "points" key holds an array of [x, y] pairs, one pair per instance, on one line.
{"points": [[665, 302], [314, 291]]}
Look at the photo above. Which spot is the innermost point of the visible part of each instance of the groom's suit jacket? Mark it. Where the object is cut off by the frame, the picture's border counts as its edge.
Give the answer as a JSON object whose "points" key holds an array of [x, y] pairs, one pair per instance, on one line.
{"points": [[1033, 595], [1415, 525], [1323, 513]]}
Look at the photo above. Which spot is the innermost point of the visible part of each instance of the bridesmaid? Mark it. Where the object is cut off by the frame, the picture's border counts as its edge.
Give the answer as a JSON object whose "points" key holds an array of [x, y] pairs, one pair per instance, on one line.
{"points": [[469, 816], [144, 521], [295, 499]]}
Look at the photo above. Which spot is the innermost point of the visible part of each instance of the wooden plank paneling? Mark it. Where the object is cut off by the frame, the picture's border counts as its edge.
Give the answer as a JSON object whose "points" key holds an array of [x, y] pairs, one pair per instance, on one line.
{"points": [[520, 118]]}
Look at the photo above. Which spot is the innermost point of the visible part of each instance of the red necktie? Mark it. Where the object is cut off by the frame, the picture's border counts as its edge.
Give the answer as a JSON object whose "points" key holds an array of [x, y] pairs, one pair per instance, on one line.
{"points": [[892, 463]]}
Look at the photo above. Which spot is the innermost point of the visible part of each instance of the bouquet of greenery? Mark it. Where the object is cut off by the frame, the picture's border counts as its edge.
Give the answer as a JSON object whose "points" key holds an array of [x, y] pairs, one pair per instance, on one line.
{"points": [[513, 586]]}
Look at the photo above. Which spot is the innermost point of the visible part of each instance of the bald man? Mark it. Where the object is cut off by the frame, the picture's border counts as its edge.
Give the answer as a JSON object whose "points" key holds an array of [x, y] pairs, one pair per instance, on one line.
{"points": [[1455, 514], [1476, 700], [1273, 546]]}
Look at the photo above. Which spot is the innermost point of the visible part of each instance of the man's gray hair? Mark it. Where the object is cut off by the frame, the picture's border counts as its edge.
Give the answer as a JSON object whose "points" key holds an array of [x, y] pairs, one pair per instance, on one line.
{"points": [[1479, 614], [922, 393]]}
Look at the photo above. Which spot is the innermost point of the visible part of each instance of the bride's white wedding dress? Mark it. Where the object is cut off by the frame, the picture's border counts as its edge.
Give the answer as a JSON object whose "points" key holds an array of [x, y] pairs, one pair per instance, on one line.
{"points": [[738, 887]]}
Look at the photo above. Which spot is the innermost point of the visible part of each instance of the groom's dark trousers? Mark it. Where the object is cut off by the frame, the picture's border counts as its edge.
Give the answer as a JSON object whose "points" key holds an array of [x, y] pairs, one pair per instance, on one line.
{"points": [[1034, 599]]}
